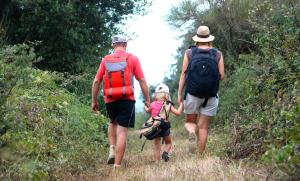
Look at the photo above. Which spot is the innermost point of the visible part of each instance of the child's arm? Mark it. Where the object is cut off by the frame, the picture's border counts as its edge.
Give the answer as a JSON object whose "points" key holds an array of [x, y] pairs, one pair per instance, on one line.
{"points": [[177, 111]]}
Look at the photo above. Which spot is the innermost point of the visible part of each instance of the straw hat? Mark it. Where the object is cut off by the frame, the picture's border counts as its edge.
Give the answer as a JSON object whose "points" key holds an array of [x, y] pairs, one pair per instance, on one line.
{"points": [[203, 35]]}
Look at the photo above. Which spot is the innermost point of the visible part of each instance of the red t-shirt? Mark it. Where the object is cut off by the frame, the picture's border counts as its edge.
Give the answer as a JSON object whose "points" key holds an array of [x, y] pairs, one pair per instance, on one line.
{"points": [[134, 66]]}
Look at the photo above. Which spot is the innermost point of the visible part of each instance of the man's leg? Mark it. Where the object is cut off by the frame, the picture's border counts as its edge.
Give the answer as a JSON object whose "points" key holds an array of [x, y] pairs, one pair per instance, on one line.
{"points": [[191, 123], [203, 126], [121, 143], [191, 126], [112, 137], [112, 128]]}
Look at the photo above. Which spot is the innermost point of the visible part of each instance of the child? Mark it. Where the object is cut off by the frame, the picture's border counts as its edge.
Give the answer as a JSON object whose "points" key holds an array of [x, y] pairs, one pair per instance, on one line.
{"points": [[161, 95]]}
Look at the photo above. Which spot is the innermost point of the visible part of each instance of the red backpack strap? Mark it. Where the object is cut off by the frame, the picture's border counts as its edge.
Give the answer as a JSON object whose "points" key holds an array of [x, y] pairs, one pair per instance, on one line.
{"points": [[117, 87]]}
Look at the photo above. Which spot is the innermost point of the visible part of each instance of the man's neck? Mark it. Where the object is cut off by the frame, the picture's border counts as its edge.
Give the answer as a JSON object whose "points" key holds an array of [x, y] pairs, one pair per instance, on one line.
{"points": [[204, 46], [120, 49]]}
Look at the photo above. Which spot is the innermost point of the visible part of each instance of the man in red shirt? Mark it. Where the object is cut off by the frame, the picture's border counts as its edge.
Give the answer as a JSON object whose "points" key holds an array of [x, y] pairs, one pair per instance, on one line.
{"points": [[116, 71]]}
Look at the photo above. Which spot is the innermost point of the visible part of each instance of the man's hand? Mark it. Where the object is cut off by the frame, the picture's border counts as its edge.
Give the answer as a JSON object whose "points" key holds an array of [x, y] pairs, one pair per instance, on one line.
{"points": [[145, 90], [95, 90], [147, 103], [95, 106]]}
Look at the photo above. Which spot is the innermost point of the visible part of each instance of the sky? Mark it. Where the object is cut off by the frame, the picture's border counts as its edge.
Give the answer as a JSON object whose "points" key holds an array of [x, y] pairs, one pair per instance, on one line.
{"points": [[153, 42]]}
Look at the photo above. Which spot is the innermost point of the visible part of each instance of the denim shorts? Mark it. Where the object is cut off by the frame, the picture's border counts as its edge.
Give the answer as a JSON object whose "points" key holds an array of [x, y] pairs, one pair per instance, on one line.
{"points": [[193, 105]]}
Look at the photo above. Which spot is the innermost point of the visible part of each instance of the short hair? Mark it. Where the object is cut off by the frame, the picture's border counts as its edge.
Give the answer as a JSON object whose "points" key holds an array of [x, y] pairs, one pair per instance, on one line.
{"points": [[122, 44], [204, 43]]}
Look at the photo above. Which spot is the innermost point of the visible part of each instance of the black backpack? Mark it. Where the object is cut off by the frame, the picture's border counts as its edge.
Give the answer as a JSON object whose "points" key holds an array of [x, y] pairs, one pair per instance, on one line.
{"points": [[202, 74]]}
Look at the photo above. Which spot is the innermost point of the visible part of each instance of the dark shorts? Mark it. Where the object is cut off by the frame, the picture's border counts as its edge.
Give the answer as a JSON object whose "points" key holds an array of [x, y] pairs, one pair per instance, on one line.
{"points": [[166, 126], [122, 112]]}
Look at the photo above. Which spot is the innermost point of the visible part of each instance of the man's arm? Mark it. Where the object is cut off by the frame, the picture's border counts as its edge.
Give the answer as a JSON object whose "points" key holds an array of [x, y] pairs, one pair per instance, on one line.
{"points": [[95, 90], [221, 68], [145, 90], [182, 79]]}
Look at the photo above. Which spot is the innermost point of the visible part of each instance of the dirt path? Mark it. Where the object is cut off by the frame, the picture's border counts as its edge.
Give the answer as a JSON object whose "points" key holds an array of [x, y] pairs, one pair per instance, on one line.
{"points": [[182, 166]]}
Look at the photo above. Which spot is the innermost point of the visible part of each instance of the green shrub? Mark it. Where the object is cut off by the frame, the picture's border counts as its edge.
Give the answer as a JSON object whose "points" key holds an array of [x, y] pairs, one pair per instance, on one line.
{"points": [[260, 101], [46, 131]]}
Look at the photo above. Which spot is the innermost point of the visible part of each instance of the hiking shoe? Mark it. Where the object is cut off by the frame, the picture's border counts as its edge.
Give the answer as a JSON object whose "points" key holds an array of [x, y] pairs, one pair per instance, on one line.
{"points": [[192, 142], [111, 155], [165, 156]]}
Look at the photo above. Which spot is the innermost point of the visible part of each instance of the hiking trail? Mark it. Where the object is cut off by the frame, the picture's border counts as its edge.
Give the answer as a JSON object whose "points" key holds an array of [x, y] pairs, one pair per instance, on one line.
{"points": [[214, 165]]}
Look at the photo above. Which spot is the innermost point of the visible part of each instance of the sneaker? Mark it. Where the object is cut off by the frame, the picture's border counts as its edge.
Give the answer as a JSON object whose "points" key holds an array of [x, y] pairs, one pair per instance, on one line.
{"points": [[192, 142], [111, 155], [165, 156]]}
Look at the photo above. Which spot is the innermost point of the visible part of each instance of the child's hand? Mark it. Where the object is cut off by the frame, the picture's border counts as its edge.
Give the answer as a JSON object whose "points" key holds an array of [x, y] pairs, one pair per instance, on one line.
{"points": [[177, 111]]}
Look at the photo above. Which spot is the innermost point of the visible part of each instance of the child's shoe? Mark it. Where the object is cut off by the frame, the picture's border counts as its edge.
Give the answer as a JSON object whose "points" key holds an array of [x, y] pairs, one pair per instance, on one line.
{"points": [[165, 156]]}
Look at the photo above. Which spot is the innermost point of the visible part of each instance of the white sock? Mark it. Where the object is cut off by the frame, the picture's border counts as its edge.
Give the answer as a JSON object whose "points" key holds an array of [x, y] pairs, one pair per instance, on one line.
{"points": [[116, 166]]}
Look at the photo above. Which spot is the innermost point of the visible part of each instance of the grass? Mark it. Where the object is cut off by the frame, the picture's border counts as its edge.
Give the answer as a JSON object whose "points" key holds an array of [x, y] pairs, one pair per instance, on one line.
{"points": [[213, 165]]}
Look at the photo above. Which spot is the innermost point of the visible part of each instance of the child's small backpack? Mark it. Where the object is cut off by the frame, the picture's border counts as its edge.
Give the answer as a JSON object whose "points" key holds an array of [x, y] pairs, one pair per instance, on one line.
{"points": [[153, 126]]}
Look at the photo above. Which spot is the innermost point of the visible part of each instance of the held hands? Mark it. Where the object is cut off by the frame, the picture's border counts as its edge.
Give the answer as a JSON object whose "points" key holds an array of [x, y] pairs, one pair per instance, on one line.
{"points": [[147, 103], [179, 99], [146, 108], [180, 107]]}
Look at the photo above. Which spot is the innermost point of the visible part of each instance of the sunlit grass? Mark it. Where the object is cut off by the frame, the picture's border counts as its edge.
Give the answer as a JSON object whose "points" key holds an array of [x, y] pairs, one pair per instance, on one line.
{"points": [[213, 165]]}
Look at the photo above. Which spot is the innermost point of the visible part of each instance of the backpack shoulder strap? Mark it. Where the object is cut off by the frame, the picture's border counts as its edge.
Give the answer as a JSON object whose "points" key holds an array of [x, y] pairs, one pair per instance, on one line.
{"points": [[213, 51], [113, 56], [193, 52], [165, 109], [190, 53]]}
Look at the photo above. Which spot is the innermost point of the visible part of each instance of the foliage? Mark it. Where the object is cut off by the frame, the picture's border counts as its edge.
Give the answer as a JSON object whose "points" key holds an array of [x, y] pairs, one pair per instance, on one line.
{"points": [[227, 21], [45, 131], [279, 51], [259, 100], [68, 32]]}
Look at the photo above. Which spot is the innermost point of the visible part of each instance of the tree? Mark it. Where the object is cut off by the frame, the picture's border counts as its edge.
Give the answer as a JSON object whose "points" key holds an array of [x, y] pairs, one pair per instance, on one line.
{"points": [[68, 32], [228, 22]]}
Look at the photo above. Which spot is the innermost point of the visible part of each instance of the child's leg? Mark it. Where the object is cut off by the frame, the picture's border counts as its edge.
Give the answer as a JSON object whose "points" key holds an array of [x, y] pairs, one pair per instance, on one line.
{"points": [[157, 149], [167, 148], [168, 143]]}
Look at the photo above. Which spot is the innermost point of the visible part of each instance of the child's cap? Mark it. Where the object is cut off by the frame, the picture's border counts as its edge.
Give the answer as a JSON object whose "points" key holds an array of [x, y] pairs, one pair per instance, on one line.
{"points": [[162, 88]]}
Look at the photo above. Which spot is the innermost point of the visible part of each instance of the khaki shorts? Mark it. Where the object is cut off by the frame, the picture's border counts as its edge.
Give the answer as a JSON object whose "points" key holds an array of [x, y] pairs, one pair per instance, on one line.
{"points": [[193, 105]]}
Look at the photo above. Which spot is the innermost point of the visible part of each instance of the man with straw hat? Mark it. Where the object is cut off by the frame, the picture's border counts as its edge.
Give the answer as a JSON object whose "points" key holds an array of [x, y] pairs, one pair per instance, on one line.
{"points": [[203, 67]]}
